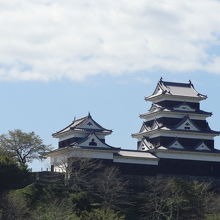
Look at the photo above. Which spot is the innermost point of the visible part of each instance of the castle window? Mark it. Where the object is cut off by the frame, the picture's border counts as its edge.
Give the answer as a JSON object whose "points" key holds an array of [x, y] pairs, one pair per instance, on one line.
{"points": [[187, 126], [143, 146], [92, 143]]}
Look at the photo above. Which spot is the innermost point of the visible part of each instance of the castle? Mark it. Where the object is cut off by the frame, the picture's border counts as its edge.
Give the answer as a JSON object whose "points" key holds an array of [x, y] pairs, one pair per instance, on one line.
{"points": [[174, 139]]}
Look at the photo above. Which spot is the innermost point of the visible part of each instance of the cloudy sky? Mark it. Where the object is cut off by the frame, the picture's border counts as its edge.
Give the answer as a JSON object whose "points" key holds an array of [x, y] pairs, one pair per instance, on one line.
{"points": [[60, 59]]}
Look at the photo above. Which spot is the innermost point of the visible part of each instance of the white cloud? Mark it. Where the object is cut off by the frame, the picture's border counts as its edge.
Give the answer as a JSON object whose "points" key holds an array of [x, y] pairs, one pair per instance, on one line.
{"points": [[53, 39]]}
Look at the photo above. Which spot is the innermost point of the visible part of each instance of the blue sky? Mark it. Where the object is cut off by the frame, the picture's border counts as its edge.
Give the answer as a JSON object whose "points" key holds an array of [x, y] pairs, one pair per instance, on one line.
{"points": [[61, 59], [114, 102]]}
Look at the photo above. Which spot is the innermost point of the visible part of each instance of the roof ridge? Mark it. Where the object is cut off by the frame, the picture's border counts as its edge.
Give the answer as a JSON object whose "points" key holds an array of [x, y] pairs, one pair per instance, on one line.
{"points": [[173, 82], [74, 121], [78, 122]]}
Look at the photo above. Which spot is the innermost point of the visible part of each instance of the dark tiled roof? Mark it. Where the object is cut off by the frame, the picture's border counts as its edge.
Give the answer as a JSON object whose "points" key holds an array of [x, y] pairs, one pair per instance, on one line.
{"points": [[76, 123], [175, 88], [187, 143], [192, 149], [173, 123]]}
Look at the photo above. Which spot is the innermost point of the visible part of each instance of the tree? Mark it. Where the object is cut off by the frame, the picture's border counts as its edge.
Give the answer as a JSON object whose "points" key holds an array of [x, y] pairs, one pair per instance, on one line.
{"points": [[99, 214], [12, 175], [81, 173], [57, 209], [24, 146], [14, 207], [111, 189], [173, 198]]}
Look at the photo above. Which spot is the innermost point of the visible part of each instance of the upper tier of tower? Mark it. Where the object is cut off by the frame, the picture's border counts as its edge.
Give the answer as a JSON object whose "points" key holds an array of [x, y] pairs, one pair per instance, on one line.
{"points": [[174, 91]]}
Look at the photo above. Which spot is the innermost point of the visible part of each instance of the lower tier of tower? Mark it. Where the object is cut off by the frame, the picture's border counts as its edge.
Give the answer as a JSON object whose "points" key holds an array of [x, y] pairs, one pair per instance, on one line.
{"points": [[189, 144]]}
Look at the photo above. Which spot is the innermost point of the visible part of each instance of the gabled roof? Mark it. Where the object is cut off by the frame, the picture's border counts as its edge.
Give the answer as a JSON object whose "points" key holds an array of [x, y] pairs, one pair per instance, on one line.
{"points": [[184, 107], [144, 128], [83, 124], [156, 107], [145, 144], [175, 144], [202, 146], [153, 126], [187, 121], [176, 89], [156, 124], [176, 125], [92, 141]]}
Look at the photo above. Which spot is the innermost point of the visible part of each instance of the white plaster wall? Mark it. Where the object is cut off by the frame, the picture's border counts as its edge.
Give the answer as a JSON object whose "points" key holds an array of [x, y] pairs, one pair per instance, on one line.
{"points": [[189, 156], [81, 153], [61, 168], [180, 135], [68, 136], [93, 154], [135, 161], [59, 161]]}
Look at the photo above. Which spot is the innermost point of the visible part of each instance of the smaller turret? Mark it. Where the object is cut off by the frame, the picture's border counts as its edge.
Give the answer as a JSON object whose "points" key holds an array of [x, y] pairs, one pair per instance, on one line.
{"points": [[83, 132]]}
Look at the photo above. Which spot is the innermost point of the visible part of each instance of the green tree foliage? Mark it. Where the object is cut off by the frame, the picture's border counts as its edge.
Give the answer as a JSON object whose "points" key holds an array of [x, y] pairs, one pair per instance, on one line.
{"points": [[103, 214], [23, 146], [213, 217], [11, 174], [15, 207], [102, 193], [80, 201], [59, 210]]}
